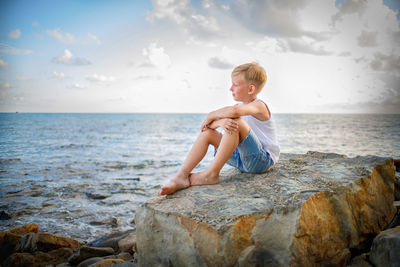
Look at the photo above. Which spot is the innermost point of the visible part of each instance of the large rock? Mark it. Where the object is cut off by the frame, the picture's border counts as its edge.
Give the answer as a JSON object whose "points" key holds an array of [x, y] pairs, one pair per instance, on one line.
{"points": [[309, 210], [25, 229], [85, 252], [10, 241], [27, 239], [385, 250], [39, 258], [47, 241], [112, 239]]}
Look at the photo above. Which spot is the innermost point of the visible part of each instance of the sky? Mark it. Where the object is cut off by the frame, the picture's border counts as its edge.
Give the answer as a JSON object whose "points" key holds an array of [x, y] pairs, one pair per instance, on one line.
{"points": [[321, 56]]}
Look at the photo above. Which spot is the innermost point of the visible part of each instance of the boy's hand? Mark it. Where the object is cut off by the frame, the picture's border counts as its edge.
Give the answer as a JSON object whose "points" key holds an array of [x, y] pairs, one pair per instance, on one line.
{"points": [[229, 125], [205, 124]]}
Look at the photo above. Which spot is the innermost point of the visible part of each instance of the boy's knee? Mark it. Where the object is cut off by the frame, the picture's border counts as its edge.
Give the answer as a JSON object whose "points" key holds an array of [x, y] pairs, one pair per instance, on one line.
{"points": [[210, 132], [244, 128], [242, 123]]}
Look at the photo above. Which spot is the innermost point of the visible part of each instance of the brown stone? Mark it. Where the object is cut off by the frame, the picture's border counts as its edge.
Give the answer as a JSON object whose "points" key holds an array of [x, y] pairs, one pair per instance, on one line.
{"points": [[107, 262], [25, 229], [39, 258], [309, 210], [49, 241], [90, 261], [126, 256], [15, 233], [128, 244], [10, 244], [86, 252]]}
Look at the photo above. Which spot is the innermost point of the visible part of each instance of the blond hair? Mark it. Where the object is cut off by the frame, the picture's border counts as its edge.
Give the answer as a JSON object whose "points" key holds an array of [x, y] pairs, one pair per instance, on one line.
{"points": [[253, 74]]}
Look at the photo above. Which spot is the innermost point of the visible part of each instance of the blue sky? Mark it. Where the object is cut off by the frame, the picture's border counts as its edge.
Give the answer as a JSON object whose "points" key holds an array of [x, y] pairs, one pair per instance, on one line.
{"points": [[176, 56]]}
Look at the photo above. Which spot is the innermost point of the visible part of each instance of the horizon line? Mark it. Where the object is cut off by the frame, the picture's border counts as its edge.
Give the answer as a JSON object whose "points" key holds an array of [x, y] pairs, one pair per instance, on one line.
{"points": [[183, 113]]}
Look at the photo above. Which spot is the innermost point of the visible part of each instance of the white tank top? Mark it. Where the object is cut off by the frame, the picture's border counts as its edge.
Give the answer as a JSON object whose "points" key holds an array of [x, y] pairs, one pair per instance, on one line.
{"points": [[265, 131]]}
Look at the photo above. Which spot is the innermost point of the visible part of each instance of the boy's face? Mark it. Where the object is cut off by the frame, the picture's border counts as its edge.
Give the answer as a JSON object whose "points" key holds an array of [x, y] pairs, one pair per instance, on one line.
{"points": [[239, 88]]}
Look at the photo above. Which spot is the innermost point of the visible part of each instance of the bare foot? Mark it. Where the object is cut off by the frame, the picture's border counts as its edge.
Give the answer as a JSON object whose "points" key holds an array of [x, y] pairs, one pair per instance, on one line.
{"points": [[203, 178], [176, 183]]}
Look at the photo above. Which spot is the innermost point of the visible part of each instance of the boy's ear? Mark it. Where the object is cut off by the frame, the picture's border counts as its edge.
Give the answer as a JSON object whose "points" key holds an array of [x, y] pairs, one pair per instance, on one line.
{"points": [[252, 89]]}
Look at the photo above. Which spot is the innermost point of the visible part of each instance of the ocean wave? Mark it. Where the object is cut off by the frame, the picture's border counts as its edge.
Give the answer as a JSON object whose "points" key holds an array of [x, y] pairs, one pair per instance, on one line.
{"points": [[73, 146], [119, 165], [7, 161]]}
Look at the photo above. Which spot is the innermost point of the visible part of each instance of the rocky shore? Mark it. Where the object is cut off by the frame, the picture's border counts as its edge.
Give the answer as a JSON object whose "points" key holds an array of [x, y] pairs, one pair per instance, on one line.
{"points": [[315, 209], [26, 246]]}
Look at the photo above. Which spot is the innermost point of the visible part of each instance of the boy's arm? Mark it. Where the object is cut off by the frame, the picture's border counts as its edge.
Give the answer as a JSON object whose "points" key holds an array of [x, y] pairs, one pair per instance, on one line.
{"points": [[257, 108], [229, 125]]}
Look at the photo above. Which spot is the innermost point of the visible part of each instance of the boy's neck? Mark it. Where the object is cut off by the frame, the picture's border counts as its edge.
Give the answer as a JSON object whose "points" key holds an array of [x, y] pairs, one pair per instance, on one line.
{"points": [[250, 99]]}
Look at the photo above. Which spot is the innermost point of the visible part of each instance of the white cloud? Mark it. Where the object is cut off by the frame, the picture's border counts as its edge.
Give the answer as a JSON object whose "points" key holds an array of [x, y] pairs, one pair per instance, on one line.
{"points": [[7, 49], [78, 86], [156, 56], [99, 78], [58, 75], [367, 39], [198, 26], [35, 24], [148, 77], [382, 62], [65, 38], [94, 38], [68, 59], [3, 64], [350, 7], [15, 34], [219, 63], [303, 45], [273, 18], [345, 54]]}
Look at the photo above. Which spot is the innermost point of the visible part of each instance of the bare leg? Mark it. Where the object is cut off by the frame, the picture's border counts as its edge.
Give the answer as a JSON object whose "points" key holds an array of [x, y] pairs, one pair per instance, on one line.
{"points": [[196, 154], [228, 144]]}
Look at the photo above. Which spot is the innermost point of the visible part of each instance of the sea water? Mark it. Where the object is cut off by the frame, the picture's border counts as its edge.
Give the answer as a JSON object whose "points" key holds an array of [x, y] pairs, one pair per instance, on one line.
{"points": [[80, 175]]}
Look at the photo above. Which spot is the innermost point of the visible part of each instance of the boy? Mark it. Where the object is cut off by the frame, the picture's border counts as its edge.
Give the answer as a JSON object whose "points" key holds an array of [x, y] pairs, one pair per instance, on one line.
{"points": [[249, 142]]}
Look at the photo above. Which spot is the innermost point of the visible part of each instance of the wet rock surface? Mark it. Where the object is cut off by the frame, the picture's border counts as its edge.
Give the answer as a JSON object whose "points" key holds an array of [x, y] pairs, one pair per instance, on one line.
{"points": [[85, 252], [385, 250], [27, 246], [309, 210]]}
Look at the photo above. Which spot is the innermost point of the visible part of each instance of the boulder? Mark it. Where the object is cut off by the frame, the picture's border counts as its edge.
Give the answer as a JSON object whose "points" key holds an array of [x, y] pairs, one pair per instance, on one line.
{"points": [[39, 258], [126, 256], [9, 244], [125, 264], [25, 229], [112, 239], [308, 210], [86, 252], [106, 263], [90, 261], [385, 250], [359, 261], [128, 244], [46, 242]]}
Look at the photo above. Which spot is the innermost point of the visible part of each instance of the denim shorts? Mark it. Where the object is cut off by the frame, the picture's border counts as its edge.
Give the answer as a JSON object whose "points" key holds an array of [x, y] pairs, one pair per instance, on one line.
{"points": [[250, 156]]}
